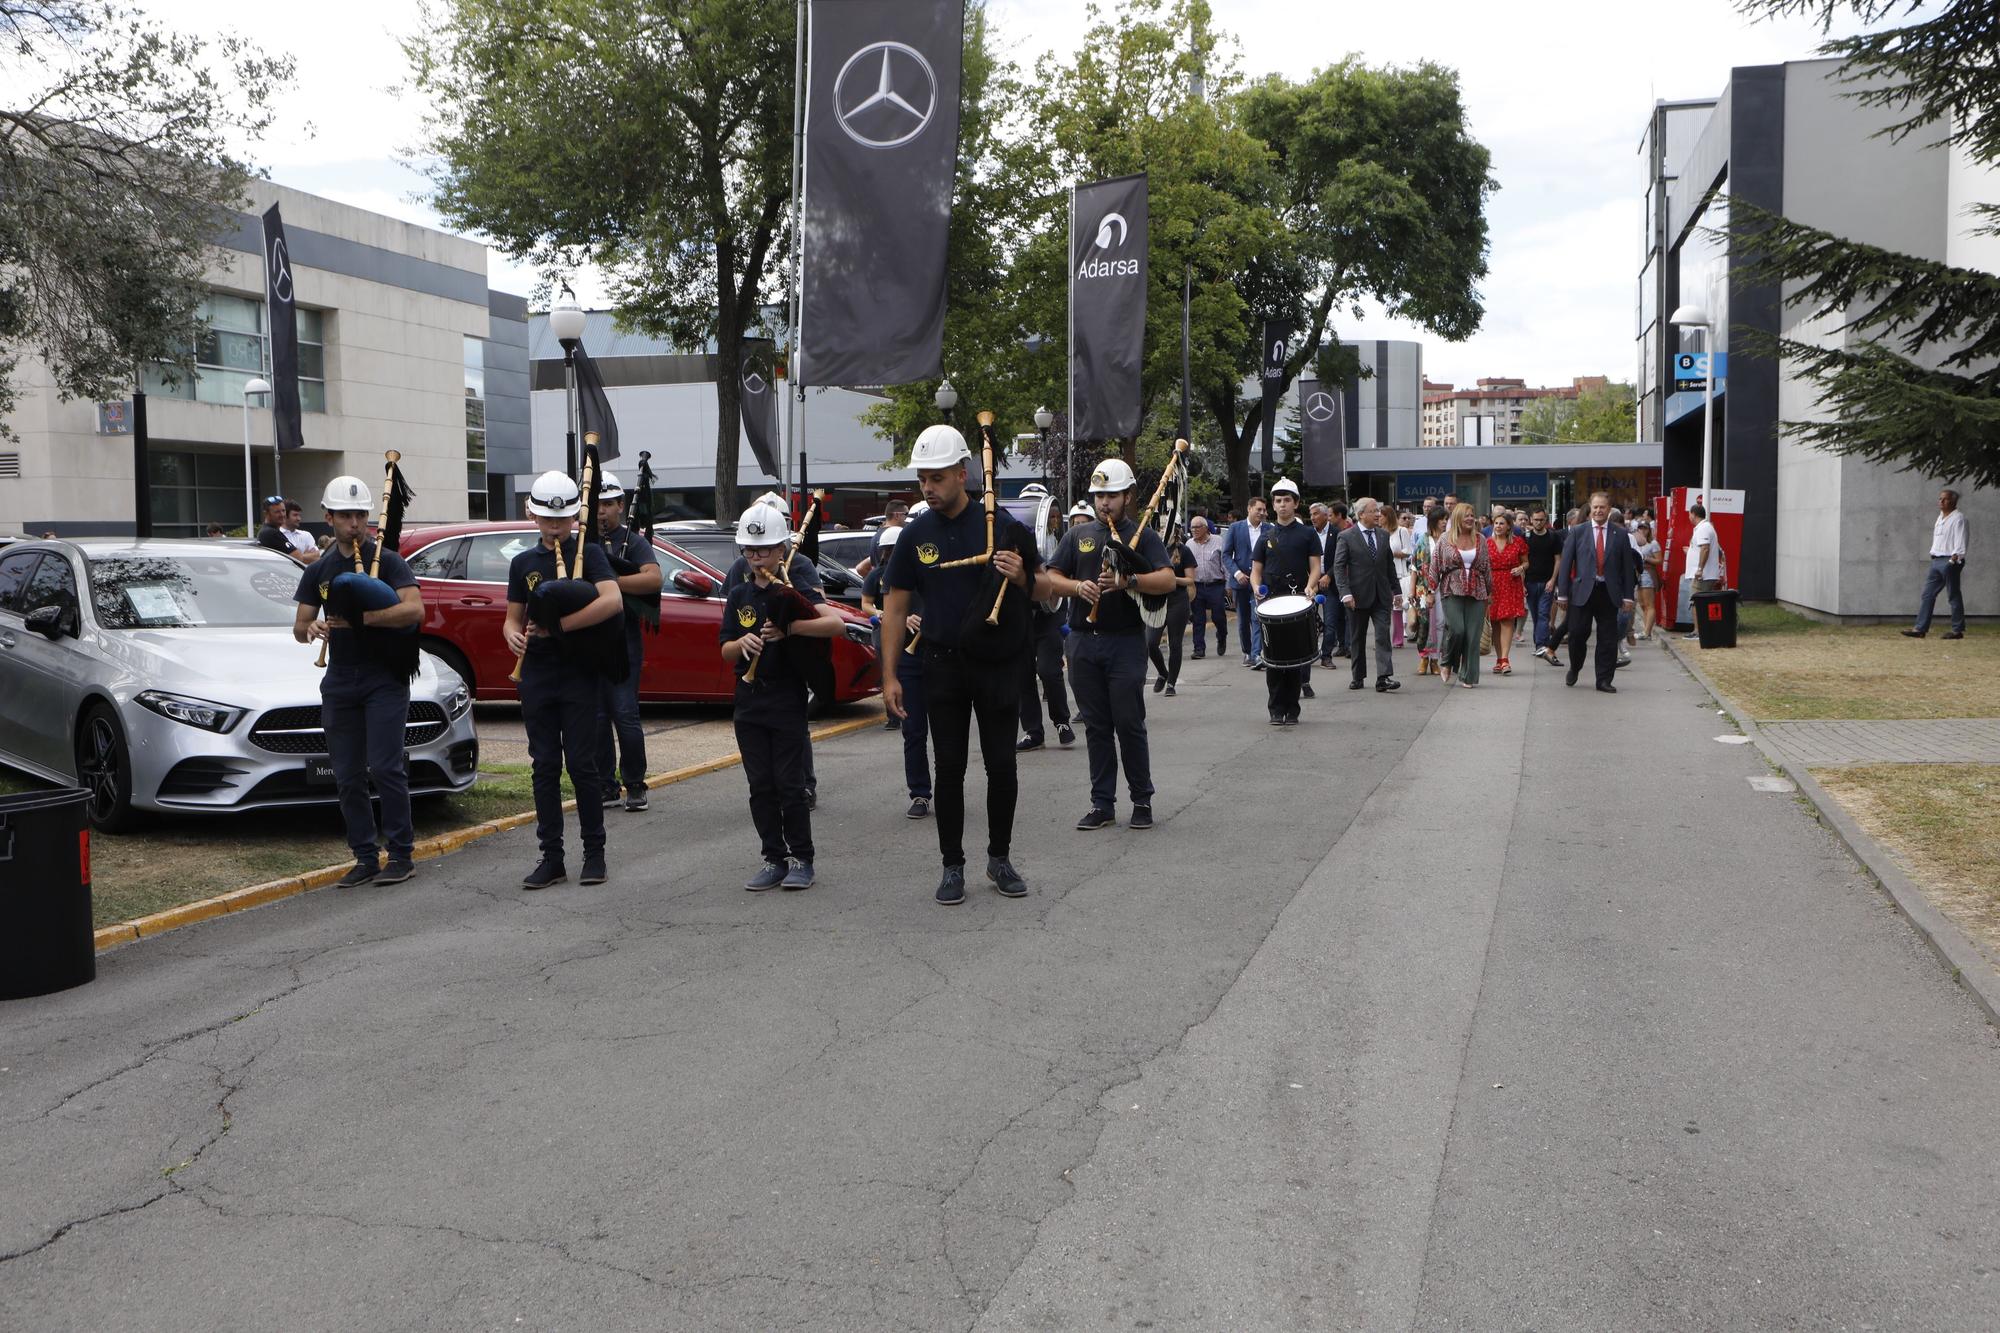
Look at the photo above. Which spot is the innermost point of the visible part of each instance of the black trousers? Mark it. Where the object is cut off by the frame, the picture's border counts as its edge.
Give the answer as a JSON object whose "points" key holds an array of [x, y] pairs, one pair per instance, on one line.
{"points": [[774, 764], [1281, 688], [559, 710], [1599, 613], [1043, 660], [1171, 635], [960, 690]]}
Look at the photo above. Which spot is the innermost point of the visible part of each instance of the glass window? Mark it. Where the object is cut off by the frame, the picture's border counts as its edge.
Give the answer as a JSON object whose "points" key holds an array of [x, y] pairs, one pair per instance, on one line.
{"points": [[14, 576], [475, 427], [437, 560], [489, 554], [53, 584], [1704, 270], [190, 490], [230, 350], [180, 591]]}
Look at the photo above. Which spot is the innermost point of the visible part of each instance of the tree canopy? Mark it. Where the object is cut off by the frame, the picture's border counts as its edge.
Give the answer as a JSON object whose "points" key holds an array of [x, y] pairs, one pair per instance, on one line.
{"points": [[1600, 413]]}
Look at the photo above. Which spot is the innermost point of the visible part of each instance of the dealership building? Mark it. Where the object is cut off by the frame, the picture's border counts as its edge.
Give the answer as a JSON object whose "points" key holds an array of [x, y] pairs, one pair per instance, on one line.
{"points": [[402, 345], [1836, 537]]}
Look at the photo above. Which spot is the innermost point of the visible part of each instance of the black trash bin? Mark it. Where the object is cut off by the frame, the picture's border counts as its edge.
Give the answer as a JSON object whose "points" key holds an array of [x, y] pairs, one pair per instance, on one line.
{"points": [[1715, 617], [47, 942]]}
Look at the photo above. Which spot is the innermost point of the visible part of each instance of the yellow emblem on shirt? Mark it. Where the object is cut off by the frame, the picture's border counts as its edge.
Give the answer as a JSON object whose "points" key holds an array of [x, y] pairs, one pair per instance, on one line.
{"points": [[746, 617], [1087, 545], [927, 553], [534, 577], [324, 589]]}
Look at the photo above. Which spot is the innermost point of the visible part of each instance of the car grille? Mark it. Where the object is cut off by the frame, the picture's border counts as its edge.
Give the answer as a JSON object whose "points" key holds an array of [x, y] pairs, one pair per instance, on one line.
{"points": [[298, 730]]}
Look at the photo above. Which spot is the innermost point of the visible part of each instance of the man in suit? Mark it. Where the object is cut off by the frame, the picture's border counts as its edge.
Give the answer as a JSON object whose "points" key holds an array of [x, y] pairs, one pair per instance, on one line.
{"points": [[1329, 521], [1238, 549], [1364, 573], [1596, 576]]}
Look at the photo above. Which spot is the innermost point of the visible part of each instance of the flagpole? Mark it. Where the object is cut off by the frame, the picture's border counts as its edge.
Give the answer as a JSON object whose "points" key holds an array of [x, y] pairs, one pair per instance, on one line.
{"points": [[1069, 365], [794, 390]]}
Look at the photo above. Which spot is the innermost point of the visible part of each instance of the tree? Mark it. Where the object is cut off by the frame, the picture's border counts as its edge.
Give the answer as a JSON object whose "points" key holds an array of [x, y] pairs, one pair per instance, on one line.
{"points": [[650, 137], [1599, 413], [1915, 378], [116, 177]]}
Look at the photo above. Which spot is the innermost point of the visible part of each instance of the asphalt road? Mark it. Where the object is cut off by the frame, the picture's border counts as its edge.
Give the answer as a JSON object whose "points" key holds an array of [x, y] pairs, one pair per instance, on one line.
{"points": [[1515, 1008]]}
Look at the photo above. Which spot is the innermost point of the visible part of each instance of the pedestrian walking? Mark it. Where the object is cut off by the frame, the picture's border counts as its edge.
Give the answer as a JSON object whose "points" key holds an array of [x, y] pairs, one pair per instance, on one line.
{"points": [[1211, 575], [1648, 552], [1464, 570], [621, 740], [1365, 579], [1163, 643], [1544, 545], [908, 668], [1285, 563], [1333, 626], [1042, 663], [1242, 541], [1596, 575], [1947, 568], [1508, 556]]}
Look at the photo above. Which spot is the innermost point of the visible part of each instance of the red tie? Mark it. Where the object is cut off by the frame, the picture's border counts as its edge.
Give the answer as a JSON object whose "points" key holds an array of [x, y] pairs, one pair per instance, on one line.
{"points": [[1600, 550]]}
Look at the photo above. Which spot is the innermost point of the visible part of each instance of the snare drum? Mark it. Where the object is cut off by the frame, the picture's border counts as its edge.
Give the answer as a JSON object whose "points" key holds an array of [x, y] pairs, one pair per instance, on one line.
{"points": [[1291, 631]]}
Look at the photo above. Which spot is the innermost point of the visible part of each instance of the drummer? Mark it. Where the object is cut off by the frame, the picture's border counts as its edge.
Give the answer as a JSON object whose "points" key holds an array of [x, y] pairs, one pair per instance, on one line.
{"points": [[1285, 563]]}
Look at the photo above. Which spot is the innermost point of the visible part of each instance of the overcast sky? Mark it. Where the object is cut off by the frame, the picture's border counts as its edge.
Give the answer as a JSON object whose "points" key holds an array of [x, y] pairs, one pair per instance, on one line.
{"points": [[1558, 90]]}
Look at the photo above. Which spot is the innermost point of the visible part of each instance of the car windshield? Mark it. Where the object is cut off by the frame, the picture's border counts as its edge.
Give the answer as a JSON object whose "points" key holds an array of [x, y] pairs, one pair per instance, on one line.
{"points": [[181, 591]]}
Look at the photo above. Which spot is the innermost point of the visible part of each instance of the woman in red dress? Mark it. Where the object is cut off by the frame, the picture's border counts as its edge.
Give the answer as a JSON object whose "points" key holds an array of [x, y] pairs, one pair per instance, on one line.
{"points": [[1509, 603]]}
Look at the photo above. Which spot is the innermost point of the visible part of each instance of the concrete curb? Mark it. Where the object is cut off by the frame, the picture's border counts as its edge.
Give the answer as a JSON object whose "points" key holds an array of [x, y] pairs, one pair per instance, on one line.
{"points": [[1967, 965], [256, 895]]}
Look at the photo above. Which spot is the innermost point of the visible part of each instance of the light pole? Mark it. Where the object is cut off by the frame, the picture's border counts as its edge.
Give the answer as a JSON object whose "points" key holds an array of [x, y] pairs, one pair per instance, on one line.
{"points": [[1695, 317], [250, 390], [566, 323], [946, 399], [1043, 420]]}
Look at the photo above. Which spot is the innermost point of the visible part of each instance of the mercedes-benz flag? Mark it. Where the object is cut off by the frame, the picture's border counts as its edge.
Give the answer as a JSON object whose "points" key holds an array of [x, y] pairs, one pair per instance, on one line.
{"points": [[1278, 334], [1107, 307], [881, 160], [278, 294], [760, 406], [1322, 435]]}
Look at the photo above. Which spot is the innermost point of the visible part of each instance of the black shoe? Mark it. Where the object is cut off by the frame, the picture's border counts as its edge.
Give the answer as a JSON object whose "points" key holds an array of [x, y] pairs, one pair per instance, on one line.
{"points": [[1277, 718], [1159, 684], [799, 876], [364, 872], [1246, 659], [1096, 819], [1326, 664], [1027, 743], [1953, 634], [920, 807], [1064, 736], [547, 873], [1142, 817], [951, 889], [1357, 683], [1306, 692], [1292, 719], [611, 798], [1549, 656], [1569, 676], [1342, 652], [1383, 684], [769, 877], [593, 869], [893, 724], [635, 802], [1005, 878], [1170, 688], [396, 871], [812, 798], [1908, 634], [1606, 687], [1259, 666], [1198, 654]]}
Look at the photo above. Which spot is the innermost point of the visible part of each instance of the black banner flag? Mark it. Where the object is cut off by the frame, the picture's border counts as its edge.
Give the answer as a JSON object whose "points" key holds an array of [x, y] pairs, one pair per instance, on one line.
{"points": [[881, 161], [1322, 435], [1278, 334], [279, 296], [593, 408], [1107, 307], [760, 406]]}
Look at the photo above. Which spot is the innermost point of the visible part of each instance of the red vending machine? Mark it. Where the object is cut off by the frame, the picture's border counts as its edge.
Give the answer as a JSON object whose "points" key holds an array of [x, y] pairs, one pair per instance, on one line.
{"points": [[1725, 511]]}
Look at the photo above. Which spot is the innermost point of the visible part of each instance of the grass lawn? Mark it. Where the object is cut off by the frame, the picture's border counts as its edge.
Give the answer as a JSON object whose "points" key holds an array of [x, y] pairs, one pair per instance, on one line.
{"points": [[1942, 821], [1786, 668]]}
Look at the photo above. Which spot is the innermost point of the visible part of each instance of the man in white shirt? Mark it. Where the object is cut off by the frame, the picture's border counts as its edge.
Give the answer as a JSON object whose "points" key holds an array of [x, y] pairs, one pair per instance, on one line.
{"points": [[301, 540], [1947, 564], [1704, 556]]}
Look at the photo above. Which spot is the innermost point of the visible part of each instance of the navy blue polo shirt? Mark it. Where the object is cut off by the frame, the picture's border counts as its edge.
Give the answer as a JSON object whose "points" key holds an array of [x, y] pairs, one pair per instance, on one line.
{"points": [[343, 648], [1081, 555], [631, 548], [929, 541], [538, 565], [778, 694], [1288, 551], [803, 572]]}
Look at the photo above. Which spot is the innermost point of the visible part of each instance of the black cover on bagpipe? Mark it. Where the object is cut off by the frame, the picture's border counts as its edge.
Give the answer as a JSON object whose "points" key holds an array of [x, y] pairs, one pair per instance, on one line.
{"points": [[352, 594], [781, 604], [600, 647]]}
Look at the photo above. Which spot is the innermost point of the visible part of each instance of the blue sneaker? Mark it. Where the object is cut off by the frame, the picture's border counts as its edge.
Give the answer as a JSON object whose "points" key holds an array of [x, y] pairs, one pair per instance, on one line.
{"points": [[770, 877], [799, 876], [951, 889]]}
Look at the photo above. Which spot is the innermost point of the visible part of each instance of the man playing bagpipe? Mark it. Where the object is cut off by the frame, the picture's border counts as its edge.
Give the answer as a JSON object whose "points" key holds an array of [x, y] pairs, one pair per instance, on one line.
{"points": [[369, 635], [637, 569], [560, 594], [764, 623]]}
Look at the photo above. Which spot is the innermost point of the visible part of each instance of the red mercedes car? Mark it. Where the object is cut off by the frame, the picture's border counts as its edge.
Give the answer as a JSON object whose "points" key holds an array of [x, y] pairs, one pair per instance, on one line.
{"points": [[462, 570]]}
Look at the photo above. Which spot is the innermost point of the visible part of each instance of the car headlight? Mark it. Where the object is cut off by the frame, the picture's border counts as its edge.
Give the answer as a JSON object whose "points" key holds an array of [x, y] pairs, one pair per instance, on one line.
{"points": [[459, 702], [861, 634], [194, 712]]}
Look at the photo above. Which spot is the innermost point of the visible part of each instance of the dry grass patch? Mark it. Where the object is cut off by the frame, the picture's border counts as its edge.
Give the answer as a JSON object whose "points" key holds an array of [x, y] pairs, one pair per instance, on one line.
{"points": [[1787, 669], [1942, 821]]}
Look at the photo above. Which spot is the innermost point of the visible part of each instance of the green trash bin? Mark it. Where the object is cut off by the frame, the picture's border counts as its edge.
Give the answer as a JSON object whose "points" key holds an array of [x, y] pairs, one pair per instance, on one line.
{"points": [[1715, 617], [47, 942]]}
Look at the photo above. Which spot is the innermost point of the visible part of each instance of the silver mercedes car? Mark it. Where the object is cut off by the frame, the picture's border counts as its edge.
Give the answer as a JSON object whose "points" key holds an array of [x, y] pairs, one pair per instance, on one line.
{"points": [[162, 675]]}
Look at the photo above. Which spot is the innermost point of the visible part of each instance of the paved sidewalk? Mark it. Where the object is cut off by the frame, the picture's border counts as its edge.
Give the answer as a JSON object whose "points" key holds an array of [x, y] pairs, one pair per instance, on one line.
{"points": [[1945, 741]]}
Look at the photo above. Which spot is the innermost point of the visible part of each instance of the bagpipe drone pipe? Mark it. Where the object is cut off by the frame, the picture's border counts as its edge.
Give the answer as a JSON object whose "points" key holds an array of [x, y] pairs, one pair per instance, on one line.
{"points": [[353, 593], [996, 624]]}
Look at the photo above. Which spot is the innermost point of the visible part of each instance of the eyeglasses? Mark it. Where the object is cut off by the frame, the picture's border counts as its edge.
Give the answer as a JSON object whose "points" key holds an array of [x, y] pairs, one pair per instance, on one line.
{"points": [[274, 499]]}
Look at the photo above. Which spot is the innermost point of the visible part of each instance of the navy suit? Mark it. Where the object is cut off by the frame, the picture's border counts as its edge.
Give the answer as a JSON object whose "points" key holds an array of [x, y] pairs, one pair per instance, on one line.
{"points": [[1594, 595], [1237, 546]]}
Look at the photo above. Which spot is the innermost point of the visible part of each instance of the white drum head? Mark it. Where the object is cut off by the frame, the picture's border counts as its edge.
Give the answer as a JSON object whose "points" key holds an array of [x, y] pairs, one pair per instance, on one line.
{"points": [[1279, 607]]}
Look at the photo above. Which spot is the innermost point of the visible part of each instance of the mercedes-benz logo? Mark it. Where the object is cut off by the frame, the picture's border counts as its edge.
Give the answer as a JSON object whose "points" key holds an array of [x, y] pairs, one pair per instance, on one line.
{"points": [[1320, 407], [1104, 241], [753, 381], [901, 100], [281, 269]]}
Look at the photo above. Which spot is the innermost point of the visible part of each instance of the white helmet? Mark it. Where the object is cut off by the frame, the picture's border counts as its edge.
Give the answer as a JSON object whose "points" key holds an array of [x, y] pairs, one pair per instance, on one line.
{"points": [[1111, 477], [1081, 510], [608, 487], [554, 495], [763, 525], [920, 507], [347, 493], [887, 537], [1034, 489], [1285, 486], [939, 446], [773, 499]]}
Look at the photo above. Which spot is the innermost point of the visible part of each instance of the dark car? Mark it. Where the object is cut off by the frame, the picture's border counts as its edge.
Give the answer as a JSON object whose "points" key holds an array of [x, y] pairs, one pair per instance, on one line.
{"points": [[717, 546]]}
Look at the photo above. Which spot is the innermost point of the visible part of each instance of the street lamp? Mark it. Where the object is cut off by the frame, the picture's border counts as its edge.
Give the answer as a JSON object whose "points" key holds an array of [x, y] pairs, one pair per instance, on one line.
{"points": [[250, 390], [1043, 420], [947, 399], [566, 323], [1695, 317]]}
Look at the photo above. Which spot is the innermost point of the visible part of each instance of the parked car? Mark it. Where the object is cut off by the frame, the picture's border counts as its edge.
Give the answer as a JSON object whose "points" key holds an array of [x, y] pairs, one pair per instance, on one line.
{"points": [[462, 571], [162, 675], [848, 549], [716, 546]]}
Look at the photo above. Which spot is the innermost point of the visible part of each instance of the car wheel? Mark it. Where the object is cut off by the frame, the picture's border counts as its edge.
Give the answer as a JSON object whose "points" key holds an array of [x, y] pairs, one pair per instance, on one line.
{"points": [[454, 659], [104, 769]]}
